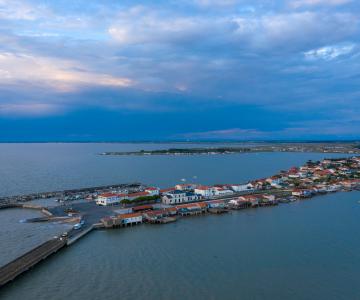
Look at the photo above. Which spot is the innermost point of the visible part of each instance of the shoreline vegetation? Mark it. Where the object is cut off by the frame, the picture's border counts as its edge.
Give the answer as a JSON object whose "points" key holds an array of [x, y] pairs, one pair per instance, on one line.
{"points": [[343, 148]]}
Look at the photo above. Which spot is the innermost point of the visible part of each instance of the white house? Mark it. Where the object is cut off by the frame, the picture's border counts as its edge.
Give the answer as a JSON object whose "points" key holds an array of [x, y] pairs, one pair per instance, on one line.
{"points": [[186, 186], [215, 204], [205, 191], [301, 193], [153, 191], [176, 197], [133, 218], [242, 187], [109, 199], [275, 181], [222, 191], [268, 197]]}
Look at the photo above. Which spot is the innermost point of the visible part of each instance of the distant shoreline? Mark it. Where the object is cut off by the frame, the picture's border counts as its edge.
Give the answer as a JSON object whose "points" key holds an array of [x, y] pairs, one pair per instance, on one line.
{"points": [[355, 141], [303, 147]]}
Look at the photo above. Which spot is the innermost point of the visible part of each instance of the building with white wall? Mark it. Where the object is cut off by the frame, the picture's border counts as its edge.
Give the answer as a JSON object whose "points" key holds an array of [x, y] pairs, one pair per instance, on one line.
{"points": [[109, 199], [242, 187], [205, 191], [133, 218], [177, 197], [153, 191]]}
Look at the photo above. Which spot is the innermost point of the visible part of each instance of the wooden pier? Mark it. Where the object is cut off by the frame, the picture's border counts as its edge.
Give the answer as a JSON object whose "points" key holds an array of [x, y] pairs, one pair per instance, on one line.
{"points": [[23, 263]]}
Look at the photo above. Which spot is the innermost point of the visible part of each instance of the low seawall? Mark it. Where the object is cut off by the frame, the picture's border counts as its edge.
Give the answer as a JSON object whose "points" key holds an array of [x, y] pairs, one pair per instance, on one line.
{"points": [[42, 209], [28, 260], [23, 263], [72, 240]]}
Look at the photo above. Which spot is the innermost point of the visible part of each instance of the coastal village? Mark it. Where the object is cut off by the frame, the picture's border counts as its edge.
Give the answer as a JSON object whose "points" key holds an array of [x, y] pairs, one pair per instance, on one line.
{"points": [[166, 205], [131, 204]]}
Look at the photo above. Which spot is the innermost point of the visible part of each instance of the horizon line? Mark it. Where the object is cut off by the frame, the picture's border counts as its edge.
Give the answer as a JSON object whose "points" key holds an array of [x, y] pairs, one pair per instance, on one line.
{"points": [[178, 141]]}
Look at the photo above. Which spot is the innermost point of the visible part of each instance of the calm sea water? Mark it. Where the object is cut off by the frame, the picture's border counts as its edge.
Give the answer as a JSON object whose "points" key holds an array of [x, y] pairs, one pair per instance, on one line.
{"points": [[304, 250]]}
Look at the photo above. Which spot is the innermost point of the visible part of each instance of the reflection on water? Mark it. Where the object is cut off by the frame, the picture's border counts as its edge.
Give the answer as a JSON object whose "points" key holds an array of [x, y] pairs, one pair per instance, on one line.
{"points": [[304, 250]]}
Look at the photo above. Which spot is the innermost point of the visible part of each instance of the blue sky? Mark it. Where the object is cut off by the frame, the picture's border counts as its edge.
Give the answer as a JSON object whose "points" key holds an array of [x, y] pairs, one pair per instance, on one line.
{"points": [[186, 69]]}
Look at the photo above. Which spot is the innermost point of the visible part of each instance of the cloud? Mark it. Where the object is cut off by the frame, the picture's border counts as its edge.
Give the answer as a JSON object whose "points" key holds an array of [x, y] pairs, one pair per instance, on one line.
{"points": [[21, 10], [232, 133], [142, 25], [307, 3], [275, 32], [58, 74], [182, 58], [329, 53], [26, 109], [322, 129], [294, 31], [216, 2]]}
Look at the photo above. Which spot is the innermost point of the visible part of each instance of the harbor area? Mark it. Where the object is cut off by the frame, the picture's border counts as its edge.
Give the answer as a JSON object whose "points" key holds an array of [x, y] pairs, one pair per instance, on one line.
{"points": [[128, 205]]}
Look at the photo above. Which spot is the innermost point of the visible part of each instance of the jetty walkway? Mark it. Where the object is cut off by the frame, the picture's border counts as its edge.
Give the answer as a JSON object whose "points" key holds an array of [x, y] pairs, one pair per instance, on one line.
{"points": [[23, 263]]}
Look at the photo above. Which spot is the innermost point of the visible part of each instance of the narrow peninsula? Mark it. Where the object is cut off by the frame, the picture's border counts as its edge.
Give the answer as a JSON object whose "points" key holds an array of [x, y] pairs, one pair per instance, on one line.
{"points": [[347, 148]]}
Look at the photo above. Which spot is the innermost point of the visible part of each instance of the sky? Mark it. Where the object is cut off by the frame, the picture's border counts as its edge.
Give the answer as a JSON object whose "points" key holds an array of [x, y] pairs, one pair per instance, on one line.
{"points": [[79, 70]]}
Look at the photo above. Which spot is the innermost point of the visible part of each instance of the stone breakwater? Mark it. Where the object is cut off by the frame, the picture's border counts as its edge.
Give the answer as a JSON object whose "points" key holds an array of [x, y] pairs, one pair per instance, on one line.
{"points": [[73, 194]]}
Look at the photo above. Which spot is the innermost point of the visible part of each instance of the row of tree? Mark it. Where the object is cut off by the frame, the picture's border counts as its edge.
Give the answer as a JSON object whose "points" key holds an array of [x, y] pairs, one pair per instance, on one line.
{"points": [[144, 199]]}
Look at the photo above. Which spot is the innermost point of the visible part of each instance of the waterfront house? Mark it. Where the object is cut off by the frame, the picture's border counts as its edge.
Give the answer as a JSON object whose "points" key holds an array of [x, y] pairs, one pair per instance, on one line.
{"points": [[294, 175], [155, 215], [301, 193], [110, 221], [215, 204], [130, 219], [241, 187], [260, 184], [152, 216], [268, 197], [252, 199], [141, 208], [205, 191], [349, 183], [234, 201], [177, 196], [219, 191], [275, 181], [107, 199], [266, 200], [191, 208]]}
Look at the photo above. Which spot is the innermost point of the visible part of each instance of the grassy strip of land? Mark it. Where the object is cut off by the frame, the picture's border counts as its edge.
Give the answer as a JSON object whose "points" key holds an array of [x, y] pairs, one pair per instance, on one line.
{"points": [[350, 148]]}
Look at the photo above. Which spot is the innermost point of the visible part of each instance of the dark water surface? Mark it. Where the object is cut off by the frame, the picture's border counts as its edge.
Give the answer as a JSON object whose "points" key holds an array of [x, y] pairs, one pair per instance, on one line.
{"points": [[305, 250]]}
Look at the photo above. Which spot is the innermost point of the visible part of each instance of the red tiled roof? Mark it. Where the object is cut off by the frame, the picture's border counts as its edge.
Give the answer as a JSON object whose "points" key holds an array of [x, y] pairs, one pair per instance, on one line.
{"points": [[107, 195], [122, 195], [156, 212], [139, 194], [151, 188], [203, 188], [142, 207], [171, 209], [131, 215], [167, 190], [215, 201], [186, 205]]}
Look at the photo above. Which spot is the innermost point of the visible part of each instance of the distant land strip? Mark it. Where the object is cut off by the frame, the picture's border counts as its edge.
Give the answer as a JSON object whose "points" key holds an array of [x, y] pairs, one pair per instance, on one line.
{"points": [[320, 148]]}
